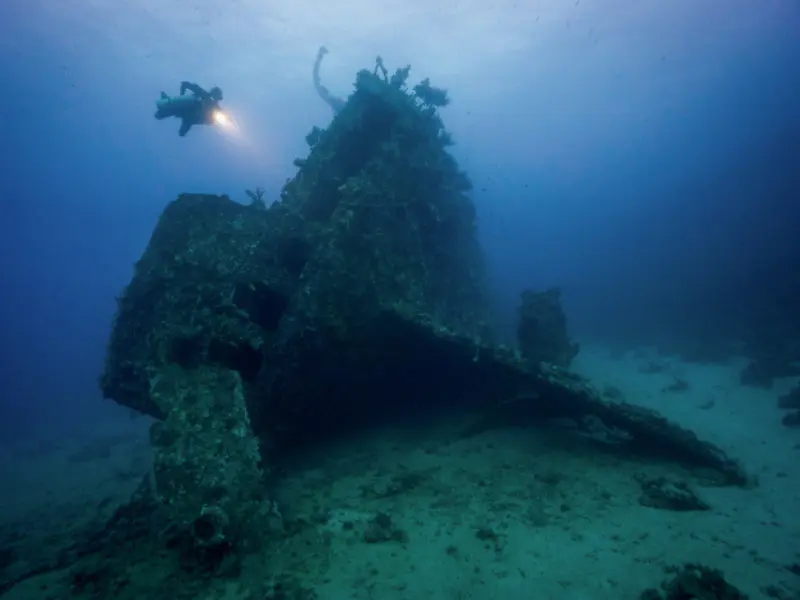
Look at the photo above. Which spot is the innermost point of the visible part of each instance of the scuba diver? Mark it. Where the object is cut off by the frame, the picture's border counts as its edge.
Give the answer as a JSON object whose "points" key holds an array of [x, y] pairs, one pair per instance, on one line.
{"points": [[199, 108], [334, 102]]}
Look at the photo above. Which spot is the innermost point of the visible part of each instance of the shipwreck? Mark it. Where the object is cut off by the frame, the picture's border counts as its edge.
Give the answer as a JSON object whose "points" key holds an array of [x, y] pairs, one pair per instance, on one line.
{"points": [[362, 291]]}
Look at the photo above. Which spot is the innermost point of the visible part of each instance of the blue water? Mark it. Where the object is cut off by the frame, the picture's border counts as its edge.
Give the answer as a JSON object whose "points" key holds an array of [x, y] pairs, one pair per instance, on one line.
{"points": [[642, 155]]}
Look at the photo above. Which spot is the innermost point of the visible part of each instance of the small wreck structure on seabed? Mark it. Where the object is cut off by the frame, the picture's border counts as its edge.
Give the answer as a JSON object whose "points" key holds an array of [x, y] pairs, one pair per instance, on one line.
{"points": [[360, 293]]}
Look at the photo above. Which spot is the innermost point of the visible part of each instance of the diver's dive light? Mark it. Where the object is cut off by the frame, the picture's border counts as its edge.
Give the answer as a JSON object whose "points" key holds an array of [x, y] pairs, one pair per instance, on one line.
{"points": [[221, 119], [226, 124]]}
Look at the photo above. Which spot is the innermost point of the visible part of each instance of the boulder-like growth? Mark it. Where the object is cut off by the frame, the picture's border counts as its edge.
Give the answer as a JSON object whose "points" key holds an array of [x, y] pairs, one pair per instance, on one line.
{"points": [[693, 580], [361, 292], [542, 330]]}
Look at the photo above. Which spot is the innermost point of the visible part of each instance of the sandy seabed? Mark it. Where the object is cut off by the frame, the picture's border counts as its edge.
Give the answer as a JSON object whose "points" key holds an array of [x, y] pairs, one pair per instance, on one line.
{"points": [[418, 512]]}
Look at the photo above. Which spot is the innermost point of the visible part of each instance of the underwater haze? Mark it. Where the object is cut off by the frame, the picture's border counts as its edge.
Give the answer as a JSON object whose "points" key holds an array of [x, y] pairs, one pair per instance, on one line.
{"points": [[643, 156], [283, 320]]}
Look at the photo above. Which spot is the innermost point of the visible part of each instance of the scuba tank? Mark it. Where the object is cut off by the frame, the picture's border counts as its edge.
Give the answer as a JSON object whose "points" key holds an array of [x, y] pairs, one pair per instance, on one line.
{"points": [[173, 105]]}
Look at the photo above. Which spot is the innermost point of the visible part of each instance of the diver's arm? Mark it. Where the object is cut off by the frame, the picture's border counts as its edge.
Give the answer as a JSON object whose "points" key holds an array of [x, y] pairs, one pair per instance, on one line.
{"points": [[194, 88]]}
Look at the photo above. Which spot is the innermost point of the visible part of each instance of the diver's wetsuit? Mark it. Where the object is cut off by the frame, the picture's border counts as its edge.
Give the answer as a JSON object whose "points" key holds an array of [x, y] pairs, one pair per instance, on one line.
{"points": [[196, 109]]}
